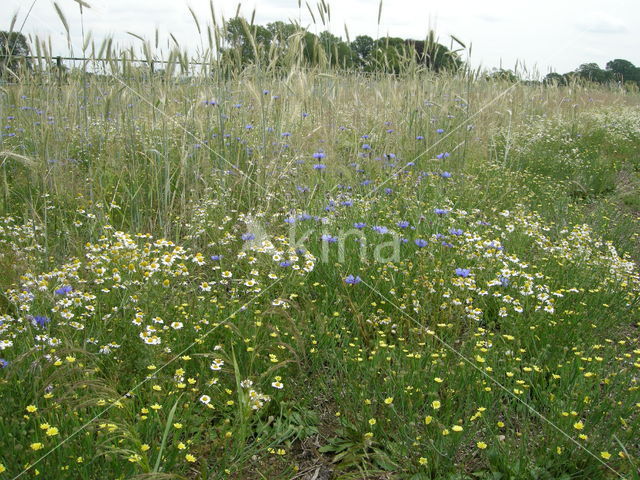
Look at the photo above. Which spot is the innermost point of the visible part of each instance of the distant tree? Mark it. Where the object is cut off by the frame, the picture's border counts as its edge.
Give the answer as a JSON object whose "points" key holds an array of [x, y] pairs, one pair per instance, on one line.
{"points": [[281, 32], [362, 48], [244, 40], [593, 73], [388, 54], [624, 70], [434, 55], [13, 49], [502, 74], [337, 52], [555, 78]]}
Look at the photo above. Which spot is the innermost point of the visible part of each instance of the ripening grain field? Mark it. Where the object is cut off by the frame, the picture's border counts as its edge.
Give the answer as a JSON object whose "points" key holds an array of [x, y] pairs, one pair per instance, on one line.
{"points": [[318, 275]]}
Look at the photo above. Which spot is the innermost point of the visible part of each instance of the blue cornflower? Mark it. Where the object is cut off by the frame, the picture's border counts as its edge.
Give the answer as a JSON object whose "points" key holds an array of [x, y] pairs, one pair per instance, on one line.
{"points": [[63, 290], [440, 211], [41, 321], [319, 154], [216, 258], [456, 231], [445, 175], [380, 229], [442, 155], [285, 263], [420, 242], [286, 134], [463, 272], [366, 146], [504, 281], [359, 225], [3, 363], [319, 166], [402, 224], [351, 280], [420, 137], [440, 130], [248, 237], [388, 191], [328, 238]]}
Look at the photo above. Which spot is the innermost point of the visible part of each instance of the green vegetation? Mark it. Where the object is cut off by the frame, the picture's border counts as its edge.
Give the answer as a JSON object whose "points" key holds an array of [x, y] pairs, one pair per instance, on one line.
{"points": [[290, 270]]}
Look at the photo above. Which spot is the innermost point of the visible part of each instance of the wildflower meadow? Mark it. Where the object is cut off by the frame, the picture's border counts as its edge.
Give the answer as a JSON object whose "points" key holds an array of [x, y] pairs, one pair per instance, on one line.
{"points": [[310, 272]]}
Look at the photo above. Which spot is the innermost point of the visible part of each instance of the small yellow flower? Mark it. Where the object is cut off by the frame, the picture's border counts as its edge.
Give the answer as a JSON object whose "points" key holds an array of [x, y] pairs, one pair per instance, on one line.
{"points": [[388, 400], [501, 424], [457, 428], [52, 431], [79, 459], [435, 404], [2, 468], [32, 408], [177, 426], [134, 458], [36, 446], [144, 447], [605, 455], [481, 445], [190, 458], [428, 419], [372, 421], [578, 425], [155, 406], [181, 446], [422, 461]]}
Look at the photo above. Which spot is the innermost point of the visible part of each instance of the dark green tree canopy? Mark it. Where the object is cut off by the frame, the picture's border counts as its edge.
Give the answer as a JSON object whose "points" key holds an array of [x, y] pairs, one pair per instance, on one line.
{"points": [[624, 70], [247, 43], [13, 50]]}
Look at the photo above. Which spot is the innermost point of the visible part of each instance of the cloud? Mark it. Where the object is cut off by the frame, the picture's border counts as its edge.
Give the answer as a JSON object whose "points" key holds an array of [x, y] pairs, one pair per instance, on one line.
{"points": [[600, 22], [489, 18]]}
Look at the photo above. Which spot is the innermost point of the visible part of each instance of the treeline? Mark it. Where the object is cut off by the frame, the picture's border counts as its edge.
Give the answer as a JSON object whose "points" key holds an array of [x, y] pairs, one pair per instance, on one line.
{"points": [[618, 71], [283, 44]]}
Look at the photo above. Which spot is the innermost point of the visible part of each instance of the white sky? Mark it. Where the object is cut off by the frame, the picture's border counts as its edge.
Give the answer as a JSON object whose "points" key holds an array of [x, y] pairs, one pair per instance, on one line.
{"points": [[545, 35]]}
